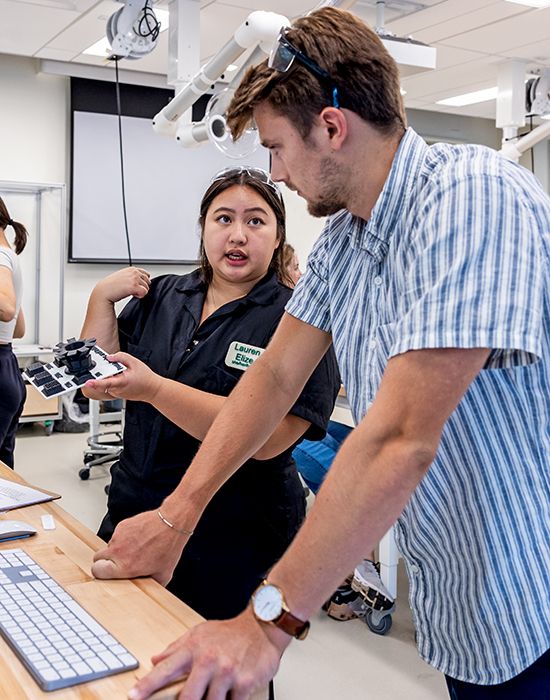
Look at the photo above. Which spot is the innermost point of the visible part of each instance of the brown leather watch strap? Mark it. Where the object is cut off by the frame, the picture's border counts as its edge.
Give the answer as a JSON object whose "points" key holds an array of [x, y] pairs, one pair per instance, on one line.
{"points": [[292, 625]]}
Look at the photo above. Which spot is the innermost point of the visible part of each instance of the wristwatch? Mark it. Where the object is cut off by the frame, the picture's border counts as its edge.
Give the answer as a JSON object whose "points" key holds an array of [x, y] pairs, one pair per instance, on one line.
{"points": [[269, 605]]}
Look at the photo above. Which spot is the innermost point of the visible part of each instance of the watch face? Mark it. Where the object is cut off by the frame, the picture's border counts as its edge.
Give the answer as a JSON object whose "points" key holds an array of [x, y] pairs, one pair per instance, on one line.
{"points": [[268, 603]]}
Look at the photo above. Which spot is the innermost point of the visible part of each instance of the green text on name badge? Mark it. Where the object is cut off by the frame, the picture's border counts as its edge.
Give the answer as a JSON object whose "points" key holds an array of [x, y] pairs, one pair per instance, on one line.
{"points": [[240, 355]]}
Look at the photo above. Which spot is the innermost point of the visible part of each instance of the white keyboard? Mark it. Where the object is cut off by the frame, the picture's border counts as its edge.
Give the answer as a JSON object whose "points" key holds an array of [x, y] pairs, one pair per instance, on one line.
{"points": [[54, 637]]}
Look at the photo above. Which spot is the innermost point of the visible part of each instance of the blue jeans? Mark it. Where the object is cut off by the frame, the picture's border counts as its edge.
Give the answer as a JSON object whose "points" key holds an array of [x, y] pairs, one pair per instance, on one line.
{"points": [[313, 458], [531, 684]]}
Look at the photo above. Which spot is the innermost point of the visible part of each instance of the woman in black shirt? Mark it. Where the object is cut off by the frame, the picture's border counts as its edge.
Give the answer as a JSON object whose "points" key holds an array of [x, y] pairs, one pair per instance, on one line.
{"points": [[200, 332]]}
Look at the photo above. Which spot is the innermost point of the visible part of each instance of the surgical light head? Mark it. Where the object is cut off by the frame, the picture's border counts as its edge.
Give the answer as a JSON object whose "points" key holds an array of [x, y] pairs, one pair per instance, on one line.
{"points": [[133, 30]]}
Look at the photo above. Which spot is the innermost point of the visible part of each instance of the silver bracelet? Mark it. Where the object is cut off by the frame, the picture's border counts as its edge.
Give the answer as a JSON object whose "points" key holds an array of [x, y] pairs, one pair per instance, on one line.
{"points": [[177, 529]]}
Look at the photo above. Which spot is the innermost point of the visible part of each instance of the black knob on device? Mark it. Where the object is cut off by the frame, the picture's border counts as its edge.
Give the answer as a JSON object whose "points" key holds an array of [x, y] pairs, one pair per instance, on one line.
{"points": [[75, 355]]}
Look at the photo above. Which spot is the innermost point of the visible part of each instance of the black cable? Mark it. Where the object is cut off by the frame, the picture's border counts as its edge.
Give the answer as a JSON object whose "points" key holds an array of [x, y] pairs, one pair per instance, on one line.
{"points": [[148, 24], [119, 111]]}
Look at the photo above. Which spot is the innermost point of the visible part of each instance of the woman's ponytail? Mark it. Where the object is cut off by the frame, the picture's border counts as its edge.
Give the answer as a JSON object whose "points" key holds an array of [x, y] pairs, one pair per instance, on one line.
{"points": [[21, 234]]}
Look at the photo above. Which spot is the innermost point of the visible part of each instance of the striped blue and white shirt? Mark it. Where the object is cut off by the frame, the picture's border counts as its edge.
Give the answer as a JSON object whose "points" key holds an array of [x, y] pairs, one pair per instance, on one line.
{"points": [[456, 253]]}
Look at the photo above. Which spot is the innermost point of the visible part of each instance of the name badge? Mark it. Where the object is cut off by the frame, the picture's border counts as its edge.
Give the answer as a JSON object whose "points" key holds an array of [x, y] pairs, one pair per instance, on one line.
{"points": [[240, 356]]}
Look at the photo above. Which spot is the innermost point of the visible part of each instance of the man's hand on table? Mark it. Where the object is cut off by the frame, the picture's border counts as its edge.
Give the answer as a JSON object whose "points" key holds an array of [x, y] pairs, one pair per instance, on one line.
{"points": [[140, 546], [229, 658]]}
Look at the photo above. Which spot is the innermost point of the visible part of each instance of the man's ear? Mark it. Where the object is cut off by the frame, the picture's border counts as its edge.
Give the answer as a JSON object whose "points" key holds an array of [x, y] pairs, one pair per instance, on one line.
{"points": [[334, 121]]}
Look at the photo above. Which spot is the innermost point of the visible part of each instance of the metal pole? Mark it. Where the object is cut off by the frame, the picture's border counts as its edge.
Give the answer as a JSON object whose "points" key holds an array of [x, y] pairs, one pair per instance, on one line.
{"points": [[37, 276], [62, 243], [380, 7]]}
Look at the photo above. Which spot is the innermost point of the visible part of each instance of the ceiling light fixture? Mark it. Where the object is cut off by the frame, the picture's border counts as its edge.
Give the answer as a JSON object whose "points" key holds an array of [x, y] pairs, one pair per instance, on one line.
{"points": [[103, 48], [531, 3], [470, 98], [100, 48]]}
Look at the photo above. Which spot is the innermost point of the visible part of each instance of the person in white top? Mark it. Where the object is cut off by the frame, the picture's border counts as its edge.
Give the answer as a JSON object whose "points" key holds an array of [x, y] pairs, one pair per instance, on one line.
{"points": [[12, 325]]}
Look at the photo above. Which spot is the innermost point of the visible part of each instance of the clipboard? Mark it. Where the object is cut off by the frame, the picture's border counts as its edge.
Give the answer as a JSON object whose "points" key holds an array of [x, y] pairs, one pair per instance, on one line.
{"points": [[14, 495]]}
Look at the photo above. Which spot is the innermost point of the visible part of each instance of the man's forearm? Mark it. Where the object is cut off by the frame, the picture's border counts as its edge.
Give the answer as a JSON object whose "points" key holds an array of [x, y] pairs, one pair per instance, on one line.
{"points": [[363, 495], [237, 434], [375, 472]]}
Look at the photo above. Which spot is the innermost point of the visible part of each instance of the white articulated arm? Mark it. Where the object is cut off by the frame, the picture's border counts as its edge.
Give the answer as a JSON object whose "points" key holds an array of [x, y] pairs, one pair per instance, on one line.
{"points": [[514, 150], [259, 28], [213, 127]]}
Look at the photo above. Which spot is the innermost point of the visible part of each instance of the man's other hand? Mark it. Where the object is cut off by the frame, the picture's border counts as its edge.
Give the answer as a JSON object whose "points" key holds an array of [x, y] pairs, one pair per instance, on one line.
{"points": [[229, 658]]}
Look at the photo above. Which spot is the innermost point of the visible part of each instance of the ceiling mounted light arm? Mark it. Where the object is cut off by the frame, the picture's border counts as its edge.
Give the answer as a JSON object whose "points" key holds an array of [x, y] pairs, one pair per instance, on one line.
{"points": [[214, 127], [259, 28], [537, 94], [516, 96], [133, 30], [514, 150]]}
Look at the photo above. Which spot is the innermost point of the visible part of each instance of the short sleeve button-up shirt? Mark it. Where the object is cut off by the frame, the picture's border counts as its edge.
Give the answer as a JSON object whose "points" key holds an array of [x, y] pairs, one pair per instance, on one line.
{"points": [[456, 253]]}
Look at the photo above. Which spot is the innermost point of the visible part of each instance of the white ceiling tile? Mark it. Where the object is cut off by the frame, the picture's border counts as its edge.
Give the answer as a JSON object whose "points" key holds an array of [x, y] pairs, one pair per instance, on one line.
{"points": [[90, 28], [55, 54], [486, 112], [441, 13], [493, 16], [453, 80], [288, 8], [218, 23], [25, 28], [506, 34], [536, 52], [413, 104], [448, 56], [367, 11]]}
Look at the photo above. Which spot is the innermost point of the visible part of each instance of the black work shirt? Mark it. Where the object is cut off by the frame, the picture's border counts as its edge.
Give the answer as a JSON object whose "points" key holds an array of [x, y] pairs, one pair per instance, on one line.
{"points": [[252, 519], [162, 330]]}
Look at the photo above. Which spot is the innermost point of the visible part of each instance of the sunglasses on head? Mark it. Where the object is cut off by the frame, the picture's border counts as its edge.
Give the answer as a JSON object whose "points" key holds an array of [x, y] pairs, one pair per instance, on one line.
{"points": [[284, 53], [254, 173]]}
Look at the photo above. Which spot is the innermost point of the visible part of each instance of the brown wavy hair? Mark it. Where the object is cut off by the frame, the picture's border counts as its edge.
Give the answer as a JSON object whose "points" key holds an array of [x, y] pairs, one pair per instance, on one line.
{"points": [[272, 197], [21, 233], [353, 55]]}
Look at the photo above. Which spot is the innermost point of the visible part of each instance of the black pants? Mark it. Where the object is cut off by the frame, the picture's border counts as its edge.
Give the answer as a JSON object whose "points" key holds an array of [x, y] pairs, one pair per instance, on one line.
{"points": [[531, 684], [239, 538], [12, 398]]}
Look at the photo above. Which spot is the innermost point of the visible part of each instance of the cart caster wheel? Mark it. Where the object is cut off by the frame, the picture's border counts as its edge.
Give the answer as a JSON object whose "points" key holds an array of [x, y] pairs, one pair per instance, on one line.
{"points": [[84, 474], [377, 623], [106, 489], [48, 427]]}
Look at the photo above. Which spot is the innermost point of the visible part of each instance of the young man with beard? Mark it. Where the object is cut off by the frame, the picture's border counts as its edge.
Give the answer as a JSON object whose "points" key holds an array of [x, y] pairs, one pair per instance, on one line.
{"points": [[431, 278]]}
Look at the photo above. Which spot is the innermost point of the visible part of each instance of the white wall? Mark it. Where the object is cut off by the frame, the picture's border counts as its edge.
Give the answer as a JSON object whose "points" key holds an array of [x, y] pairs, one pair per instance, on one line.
{"points": [[302, 229], [34, 143]]}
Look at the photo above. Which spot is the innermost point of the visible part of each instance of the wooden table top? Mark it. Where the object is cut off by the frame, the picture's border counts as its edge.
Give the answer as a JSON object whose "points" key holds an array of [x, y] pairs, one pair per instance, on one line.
{"points": [[140, 613]]}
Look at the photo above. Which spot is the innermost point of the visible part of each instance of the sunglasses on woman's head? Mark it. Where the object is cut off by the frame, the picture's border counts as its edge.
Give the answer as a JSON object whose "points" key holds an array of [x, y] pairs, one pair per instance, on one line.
{"points": [[254, 173]]}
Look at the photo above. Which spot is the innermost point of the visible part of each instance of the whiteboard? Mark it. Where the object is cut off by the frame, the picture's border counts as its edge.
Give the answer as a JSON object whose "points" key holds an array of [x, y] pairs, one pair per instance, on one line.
{"points": [[164, 186]]}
